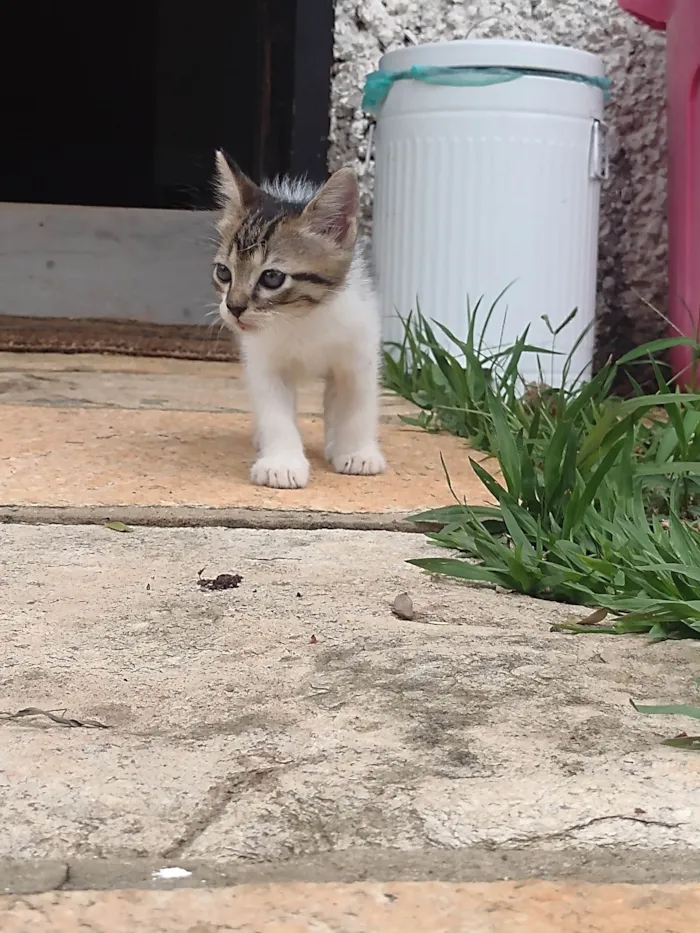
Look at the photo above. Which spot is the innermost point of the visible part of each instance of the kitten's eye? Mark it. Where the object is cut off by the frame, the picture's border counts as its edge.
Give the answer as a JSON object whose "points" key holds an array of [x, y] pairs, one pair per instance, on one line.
{"points": [[222, 273], [272, 278]]}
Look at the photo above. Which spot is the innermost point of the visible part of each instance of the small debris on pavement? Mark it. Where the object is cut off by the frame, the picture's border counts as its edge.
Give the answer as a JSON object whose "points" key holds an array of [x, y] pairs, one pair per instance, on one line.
{"points": [[59, 718], [403, 607], [594, 618], [166, 874], [590, 623], [683, 740], [224, 581], [314, 640], [118, 526]]}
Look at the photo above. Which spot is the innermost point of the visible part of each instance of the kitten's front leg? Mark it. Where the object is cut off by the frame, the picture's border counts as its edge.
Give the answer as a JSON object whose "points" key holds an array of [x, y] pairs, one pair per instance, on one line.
{"points": [[329, 413], [352, 413], [281, 462]]}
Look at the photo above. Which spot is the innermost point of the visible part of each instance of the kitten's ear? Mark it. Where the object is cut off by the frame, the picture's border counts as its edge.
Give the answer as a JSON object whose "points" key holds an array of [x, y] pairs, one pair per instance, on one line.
{"points": [[333, 212], [234, 189]]}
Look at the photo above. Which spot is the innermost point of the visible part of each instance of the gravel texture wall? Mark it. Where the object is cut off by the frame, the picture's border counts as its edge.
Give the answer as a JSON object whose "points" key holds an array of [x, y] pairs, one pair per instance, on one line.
{"points": [[633, 240]]}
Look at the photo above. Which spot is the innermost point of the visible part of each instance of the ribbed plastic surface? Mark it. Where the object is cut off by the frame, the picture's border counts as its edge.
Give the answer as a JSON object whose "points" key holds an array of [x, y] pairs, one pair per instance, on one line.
{"points": [[477, 188]]}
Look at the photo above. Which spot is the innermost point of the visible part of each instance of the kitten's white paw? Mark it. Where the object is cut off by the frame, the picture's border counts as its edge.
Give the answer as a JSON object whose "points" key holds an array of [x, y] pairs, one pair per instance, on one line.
{"points": [[281, 472], [366, 462]]}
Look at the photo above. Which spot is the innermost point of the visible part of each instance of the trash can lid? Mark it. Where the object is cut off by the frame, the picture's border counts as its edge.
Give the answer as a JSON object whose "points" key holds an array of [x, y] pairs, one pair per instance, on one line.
{"points": [[496, 53]]}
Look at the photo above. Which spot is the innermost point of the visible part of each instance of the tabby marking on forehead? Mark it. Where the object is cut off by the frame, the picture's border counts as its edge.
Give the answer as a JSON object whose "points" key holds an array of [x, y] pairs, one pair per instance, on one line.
{"points": [[278, 200], [259, 225]]}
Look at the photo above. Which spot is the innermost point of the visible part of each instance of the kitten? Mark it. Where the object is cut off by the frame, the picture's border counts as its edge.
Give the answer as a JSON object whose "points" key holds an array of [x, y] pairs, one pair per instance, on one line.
{"points": [[294, 289]]}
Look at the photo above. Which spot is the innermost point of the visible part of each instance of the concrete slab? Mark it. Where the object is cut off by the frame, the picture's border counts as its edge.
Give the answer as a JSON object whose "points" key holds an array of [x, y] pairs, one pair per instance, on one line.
{"points": [[90, 456], [46, 363], [77, 261], [180, 433], [167, 389], [535, 907], [295, 716]]}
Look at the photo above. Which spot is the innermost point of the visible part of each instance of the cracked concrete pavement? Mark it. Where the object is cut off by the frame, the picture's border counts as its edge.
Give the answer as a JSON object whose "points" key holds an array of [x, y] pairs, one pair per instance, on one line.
{"points": [[293, 730], [295, 725]]}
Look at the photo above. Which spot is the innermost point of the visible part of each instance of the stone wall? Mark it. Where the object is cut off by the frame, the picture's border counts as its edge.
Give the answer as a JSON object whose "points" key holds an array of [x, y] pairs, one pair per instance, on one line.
{"points": [[633, 242]]}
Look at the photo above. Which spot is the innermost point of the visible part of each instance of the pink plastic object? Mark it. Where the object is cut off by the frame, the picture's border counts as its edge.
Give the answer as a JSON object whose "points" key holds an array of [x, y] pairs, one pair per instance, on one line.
{"points": [[681, 20]]}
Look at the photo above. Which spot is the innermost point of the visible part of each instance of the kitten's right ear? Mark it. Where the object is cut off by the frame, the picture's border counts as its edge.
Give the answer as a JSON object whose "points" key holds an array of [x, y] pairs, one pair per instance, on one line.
{"points": [[333, 212], [235, 191]]}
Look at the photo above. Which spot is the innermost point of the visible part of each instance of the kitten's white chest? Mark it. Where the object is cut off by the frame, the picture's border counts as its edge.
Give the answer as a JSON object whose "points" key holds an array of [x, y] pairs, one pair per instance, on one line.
{"points": [[300, 351], [331, 337]]}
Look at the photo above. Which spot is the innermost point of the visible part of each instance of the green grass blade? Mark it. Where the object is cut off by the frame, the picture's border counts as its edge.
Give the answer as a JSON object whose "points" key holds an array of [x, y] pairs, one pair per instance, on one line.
{"points": [[672, 709], [461, 570], [655, 346]]}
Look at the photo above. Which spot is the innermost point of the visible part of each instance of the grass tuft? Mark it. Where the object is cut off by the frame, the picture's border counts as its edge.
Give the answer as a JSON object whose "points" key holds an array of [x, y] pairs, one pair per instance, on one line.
{"points": [[598, 496]]}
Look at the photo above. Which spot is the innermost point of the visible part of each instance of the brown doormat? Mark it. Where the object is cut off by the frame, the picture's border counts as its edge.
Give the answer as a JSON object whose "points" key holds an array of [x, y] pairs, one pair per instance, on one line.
{"points": [[125, 338]]}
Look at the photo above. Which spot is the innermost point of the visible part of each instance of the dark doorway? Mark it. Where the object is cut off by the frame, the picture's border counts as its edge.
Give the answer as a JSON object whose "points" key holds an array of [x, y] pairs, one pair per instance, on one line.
{"points": [[123, 105]]}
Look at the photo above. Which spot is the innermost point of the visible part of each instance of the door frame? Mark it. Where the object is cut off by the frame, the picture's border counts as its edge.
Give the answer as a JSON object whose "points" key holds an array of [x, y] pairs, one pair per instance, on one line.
{"points": [[313, 64]]}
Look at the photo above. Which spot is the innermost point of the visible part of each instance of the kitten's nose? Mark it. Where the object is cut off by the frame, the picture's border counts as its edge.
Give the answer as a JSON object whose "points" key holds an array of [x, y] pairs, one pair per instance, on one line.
{"points": [[236, 310]]}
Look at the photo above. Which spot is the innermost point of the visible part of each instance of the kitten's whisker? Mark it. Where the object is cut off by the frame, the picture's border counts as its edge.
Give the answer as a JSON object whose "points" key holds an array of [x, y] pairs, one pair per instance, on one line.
{"points": [[212, 325]]}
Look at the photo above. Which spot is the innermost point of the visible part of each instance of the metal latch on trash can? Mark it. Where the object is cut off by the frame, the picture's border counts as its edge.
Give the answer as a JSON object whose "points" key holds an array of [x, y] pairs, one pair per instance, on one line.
{"points": [[370, 150], [599, 157]]}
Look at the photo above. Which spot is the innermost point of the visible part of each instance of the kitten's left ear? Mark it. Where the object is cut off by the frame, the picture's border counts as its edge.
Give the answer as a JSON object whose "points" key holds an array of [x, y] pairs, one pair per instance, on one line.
{"points": [[333, 212], [236, 191]]}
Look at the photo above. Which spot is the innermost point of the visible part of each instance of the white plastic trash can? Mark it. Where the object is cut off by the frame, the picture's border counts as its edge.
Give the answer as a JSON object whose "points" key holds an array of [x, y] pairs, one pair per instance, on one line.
{"points": [[482, 187]]}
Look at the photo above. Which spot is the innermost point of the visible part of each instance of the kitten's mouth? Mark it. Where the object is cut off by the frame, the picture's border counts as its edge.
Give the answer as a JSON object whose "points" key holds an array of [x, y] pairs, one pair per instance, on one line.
{"points": [[234, 323]]}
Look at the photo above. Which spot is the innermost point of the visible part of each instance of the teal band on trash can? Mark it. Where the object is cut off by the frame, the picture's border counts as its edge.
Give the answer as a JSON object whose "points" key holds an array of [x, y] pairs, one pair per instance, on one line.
{"points": [[378, 83]]}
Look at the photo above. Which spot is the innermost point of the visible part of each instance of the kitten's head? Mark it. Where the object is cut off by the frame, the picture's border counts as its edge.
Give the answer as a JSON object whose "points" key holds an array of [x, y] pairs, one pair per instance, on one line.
{"points": [[284, 248]]}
